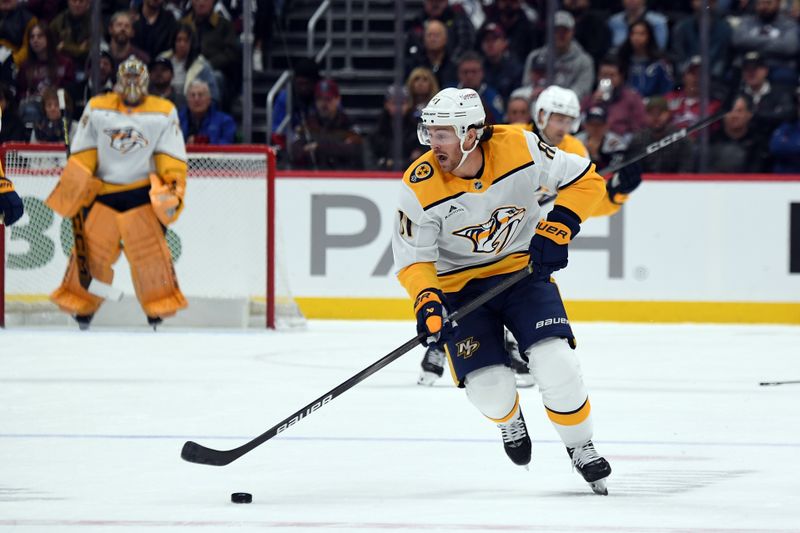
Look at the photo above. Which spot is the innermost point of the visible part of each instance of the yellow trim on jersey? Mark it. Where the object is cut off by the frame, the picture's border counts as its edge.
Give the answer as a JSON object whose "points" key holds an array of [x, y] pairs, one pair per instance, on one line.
{"points": [[417, 277], [111, 188], [170, 169], [453, 374], [113, 102], [509, 264], [509, 416], [87, 158], [572, 418]]}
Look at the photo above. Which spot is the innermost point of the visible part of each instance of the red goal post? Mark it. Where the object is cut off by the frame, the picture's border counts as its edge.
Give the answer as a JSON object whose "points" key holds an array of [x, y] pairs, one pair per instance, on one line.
{"points": [[225, 245]]}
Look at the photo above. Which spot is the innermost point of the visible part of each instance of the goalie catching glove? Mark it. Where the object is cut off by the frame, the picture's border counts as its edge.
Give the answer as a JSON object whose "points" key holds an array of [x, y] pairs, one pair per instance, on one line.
{"points": [[166, 199], [548, 249], [11, 207], [432, 318]]}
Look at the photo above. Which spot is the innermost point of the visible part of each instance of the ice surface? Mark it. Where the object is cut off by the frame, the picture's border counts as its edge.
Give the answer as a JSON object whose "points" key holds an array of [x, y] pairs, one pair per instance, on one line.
{"points": [[91, 427]]}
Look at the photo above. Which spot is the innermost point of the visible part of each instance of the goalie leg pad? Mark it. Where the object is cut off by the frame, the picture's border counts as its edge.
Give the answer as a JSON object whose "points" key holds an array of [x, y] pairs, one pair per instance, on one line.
{"points": [[76, 188], [493, 390], [153, 275], [556, 369], [103, 248]]}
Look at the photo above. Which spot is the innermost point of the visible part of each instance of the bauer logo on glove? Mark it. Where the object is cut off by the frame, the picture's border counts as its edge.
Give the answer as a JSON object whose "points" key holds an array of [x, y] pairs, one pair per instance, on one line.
{"points": [[432, 317]]}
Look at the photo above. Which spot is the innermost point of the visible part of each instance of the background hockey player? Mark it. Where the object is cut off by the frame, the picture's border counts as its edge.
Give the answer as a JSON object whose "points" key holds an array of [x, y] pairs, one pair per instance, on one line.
{"points": [[127, 172], [468, 218]]}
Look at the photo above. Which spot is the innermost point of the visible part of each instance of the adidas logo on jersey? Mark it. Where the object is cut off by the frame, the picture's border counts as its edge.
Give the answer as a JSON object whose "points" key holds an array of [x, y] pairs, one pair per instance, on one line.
{"points": [[453, 211]]}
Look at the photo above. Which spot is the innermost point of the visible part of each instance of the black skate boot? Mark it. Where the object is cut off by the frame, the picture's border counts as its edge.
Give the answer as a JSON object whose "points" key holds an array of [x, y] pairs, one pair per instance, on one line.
{"points": [[154, 321], [432, 366], [83, 321], [516, 441], [591, 466], [522, 373]]}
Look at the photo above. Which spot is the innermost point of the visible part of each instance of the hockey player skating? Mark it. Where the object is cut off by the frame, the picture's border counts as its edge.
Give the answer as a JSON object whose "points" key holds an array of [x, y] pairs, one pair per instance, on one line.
{"points": [[127, 173], [468, 218], [556, 114]]}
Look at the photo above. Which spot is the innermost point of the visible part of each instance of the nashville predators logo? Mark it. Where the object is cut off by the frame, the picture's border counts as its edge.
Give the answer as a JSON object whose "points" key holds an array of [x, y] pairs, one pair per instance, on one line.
{"points": [[125, 140], [495, 233], [421, 172], [467, 347]]}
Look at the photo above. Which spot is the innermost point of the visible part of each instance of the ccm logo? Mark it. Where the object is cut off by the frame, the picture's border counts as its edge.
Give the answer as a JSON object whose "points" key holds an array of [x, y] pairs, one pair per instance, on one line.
{"points": [[551, 322], [669, 139], [549, 228]]}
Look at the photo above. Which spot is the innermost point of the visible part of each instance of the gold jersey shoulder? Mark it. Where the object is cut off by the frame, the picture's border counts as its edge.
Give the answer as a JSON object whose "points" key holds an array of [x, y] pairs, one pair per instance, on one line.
{"points": [[112, 102], [505, 152], [569, 144]]}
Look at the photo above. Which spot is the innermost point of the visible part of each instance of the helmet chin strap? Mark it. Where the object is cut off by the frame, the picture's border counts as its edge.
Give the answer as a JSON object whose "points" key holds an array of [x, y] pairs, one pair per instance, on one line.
{"points": [[465, 153]]}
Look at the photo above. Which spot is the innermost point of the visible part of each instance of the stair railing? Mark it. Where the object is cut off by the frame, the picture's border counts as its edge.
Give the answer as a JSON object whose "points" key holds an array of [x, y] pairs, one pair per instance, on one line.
{"points": [[323, 9]]}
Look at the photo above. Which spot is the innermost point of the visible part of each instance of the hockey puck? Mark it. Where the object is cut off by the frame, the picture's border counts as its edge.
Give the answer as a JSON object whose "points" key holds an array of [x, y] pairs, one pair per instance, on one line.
{"points": [[241, 497]]}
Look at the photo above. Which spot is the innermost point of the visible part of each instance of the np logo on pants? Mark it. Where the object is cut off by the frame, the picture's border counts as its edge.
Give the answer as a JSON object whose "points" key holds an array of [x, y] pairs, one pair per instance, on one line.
{"points": [[467, 347]]}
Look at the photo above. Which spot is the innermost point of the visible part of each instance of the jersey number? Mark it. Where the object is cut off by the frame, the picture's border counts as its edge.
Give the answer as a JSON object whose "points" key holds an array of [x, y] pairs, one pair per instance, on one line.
{"points": [[547, 149]]}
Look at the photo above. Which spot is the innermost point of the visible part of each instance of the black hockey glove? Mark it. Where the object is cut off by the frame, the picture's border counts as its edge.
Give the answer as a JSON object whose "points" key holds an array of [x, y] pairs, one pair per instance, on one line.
{"points": [[10, 203], [548, 247], [624, 182], [432, 311]]}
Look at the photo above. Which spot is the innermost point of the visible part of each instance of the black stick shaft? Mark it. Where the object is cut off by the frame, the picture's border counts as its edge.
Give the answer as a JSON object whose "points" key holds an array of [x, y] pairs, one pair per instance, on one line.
{"points": [[664, 142], [770, 383], [197, 453]]}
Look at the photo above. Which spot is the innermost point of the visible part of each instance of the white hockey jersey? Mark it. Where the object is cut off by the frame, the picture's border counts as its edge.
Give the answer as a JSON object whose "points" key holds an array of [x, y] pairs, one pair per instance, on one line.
{"points": [[479, 227], [127, 139]]}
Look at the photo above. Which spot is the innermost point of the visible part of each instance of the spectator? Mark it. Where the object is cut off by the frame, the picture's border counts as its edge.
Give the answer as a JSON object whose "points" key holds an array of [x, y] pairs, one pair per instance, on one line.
{"points": [[329, 141], [219, 44], [648, 72], [774, 35], [736, 147], [434, 55], [72, 29], [44, 10], [537, 77], [785, 145], [43, 68], [154, 30], [304, 80], [188, 64], [201, 123], [383, 140], [684, 102], [574, 69], [460, 32], [470, 76], [675, 158], [161, 82], [772, 105], [13, 128], [121, 47], [518, 110], [421, 85], [634, 10], [518, 26], [83, 90], [686, 39], [624, 106], [605, 147], [50, 128], [501, 69], [15, 26], [591, 30]]}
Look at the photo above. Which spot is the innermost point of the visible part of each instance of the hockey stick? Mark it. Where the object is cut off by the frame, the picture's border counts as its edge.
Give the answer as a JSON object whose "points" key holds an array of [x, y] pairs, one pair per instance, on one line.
{"points": [[197, 453], [771, 383], [96, 287], [664, 142]]}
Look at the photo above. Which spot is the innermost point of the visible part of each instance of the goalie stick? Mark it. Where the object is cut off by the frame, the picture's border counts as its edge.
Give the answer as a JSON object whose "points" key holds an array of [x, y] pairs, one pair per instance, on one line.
{"points": [[94, 286], [197, 453]]}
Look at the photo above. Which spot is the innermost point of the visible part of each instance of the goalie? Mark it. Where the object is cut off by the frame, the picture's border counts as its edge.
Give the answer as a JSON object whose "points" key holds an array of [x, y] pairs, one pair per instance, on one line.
{"points": [[126, 176]]}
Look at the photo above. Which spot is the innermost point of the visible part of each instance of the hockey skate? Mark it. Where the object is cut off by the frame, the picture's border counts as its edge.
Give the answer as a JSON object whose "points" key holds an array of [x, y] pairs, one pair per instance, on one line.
{"points": [[154, 322], [516, 440], [83, 321], [432, 366], [591, 466], [520, 367]]}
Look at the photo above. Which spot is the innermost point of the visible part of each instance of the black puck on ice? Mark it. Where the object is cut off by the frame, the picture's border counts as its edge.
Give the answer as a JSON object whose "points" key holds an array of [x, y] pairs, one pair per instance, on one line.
{"points": [[241, 497]]}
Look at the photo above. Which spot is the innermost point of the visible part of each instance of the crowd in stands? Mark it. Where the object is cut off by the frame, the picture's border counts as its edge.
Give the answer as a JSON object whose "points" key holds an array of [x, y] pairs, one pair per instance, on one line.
{"points": [[634, 65]]}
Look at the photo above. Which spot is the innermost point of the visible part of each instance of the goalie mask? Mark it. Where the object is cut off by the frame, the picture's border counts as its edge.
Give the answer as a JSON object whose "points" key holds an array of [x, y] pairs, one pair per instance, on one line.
{"points": [[557, 99], [132, 81], [460, 108]]}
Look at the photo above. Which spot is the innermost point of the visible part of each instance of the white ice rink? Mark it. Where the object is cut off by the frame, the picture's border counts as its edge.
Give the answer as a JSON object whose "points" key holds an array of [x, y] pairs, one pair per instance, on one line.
{"points": [[91, 427]]}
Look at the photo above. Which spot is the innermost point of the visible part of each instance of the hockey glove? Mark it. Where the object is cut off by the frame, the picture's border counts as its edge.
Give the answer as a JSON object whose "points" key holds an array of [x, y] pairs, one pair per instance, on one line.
{"points": [[548, 247], [11, 207], [432, 322], [166, 198], [624, 182]]}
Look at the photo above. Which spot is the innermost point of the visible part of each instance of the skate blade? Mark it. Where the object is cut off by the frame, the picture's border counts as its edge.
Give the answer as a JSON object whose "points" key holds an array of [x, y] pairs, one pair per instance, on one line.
{"points": [[427, 379], [599, 487]]}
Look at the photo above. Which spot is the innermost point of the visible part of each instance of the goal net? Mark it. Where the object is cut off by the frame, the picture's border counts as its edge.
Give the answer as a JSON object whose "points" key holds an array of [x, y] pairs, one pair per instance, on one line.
{"points": [[226, 246]]}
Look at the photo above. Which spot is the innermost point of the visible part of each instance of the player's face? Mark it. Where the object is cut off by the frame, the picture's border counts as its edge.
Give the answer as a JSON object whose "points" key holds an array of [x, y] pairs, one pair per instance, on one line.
{"points": [[445, 145], [518, 112], [557, 127]]}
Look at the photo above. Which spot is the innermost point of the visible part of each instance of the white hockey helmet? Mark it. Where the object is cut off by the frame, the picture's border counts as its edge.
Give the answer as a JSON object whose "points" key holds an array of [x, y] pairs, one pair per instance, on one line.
{"points": [[460, 108], [557, 99]]}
